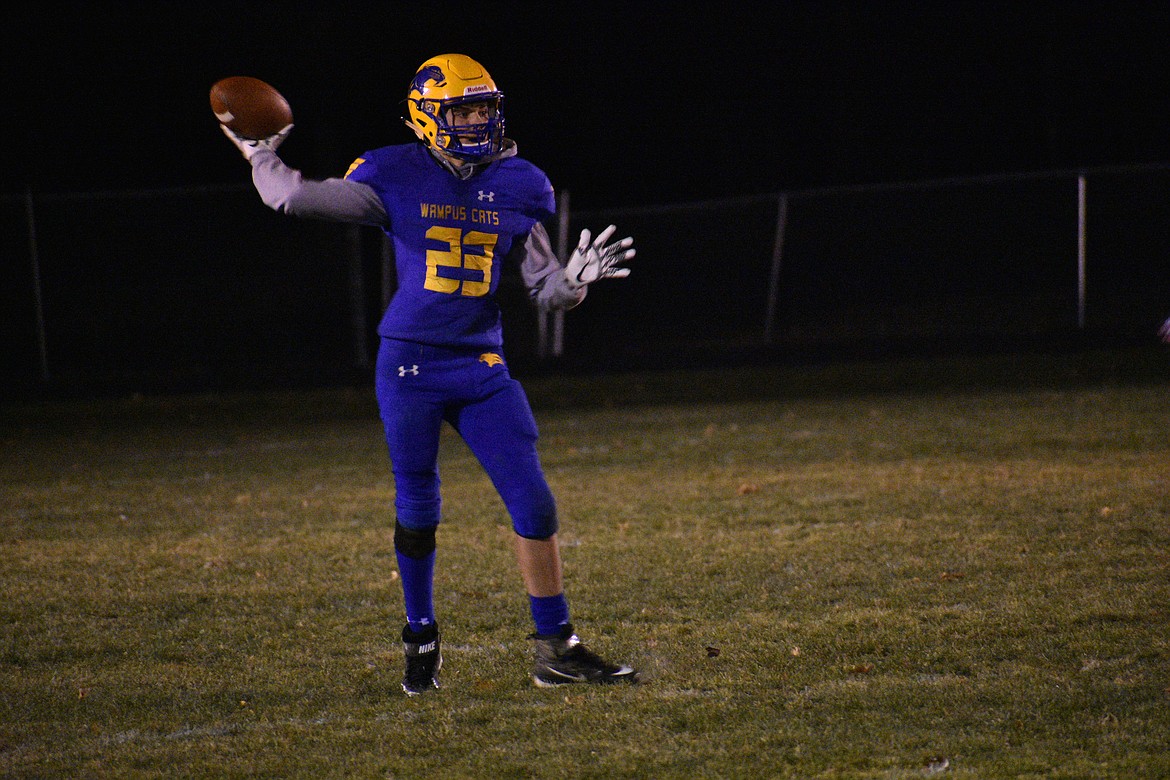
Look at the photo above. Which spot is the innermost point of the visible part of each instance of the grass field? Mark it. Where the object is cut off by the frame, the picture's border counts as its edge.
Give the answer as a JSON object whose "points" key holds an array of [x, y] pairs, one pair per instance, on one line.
{"points": [[873, 570]]}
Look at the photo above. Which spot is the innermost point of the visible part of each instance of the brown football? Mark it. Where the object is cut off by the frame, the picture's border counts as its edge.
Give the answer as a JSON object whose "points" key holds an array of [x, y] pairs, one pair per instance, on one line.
{"points": [[250, 107]]}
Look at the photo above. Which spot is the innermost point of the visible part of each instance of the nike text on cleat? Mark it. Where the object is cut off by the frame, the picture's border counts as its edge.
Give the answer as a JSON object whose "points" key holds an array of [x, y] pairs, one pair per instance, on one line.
{"points": [[561, 659], [424, 658]]}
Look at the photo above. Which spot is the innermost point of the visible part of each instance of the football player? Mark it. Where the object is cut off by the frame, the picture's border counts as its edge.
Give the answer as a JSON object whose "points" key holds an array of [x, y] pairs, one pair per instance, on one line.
{"points": [[459, 206]]}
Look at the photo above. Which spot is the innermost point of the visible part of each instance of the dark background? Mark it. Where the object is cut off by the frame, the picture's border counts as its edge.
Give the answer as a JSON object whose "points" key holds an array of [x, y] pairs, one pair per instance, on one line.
{"points": [[160, 268], [619, 102]]}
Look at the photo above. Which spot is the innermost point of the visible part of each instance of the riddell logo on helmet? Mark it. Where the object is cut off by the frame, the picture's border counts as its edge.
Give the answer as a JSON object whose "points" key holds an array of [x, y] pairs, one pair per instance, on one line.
{"points": [[475, 89]]}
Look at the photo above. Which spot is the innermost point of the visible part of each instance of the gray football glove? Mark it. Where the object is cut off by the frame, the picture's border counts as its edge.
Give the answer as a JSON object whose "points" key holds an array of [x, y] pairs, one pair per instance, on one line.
{"points": [[592, 261], [249, 146]]}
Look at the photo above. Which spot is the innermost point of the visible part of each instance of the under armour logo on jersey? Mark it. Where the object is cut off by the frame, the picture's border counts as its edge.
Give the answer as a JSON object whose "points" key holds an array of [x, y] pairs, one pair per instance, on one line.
{"points": [[491, 358], [403, 370], [490, 197]]}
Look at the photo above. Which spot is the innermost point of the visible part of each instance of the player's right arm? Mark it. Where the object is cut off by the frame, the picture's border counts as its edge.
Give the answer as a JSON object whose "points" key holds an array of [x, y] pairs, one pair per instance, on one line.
{"points": [[284, 189]]}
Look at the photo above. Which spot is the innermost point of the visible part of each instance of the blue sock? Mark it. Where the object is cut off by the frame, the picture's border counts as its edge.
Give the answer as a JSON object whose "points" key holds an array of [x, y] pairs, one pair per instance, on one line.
{"points": [[550, 613], [418, 580]]}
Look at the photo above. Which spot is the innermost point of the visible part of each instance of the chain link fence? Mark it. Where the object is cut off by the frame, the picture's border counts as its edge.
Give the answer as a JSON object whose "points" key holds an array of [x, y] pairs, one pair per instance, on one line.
{"points": [[206, 288]]}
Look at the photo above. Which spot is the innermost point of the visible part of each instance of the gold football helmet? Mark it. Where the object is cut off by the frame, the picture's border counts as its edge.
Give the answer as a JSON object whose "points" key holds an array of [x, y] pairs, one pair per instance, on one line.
{"points": [[440, 84]]}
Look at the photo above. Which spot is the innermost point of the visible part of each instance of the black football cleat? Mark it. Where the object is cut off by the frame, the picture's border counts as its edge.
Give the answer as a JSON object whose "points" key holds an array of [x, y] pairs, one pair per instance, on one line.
{"points": [[423, 660], [561, 659]]}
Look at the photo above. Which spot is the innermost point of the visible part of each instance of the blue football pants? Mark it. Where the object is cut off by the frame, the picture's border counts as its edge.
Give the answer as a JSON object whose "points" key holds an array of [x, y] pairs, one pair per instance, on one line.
{"points": [[419, 387]]}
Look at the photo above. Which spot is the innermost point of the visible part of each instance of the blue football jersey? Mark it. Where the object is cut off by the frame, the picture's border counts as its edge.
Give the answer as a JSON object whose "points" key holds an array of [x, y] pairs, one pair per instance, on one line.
{"points": [[450, 240]]}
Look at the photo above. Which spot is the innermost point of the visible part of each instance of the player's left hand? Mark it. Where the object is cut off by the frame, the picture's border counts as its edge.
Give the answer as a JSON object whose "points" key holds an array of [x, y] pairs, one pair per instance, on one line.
{"points": [[249, 147], [1164, 331], [597, 260]]}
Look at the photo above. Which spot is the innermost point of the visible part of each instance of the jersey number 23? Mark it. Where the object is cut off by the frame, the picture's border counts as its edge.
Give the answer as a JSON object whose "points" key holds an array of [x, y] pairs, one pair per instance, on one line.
{"points": [[457, 255]]}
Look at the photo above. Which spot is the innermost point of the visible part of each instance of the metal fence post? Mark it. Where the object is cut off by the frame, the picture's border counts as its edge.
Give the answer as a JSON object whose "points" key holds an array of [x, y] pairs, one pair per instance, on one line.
{"points": [[774, 278], [389, 272], [34, 258], [357, 296], [1081, 198], [557, 346]]}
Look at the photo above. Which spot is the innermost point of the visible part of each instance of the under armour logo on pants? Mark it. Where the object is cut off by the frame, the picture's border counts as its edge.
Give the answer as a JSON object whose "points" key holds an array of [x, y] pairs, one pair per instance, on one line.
{"points": [[403, 370]]}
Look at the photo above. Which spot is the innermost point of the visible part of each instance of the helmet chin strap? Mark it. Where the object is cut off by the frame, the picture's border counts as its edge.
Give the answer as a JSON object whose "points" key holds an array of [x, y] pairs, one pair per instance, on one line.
{"points": [[462, 169], [415, 129]]}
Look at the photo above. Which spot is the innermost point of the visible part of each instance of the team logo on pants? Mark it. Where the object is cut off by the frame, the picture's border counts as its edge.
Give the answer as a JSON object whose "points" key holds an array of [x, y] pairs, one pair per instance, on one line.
{"points": [[491, 358]]}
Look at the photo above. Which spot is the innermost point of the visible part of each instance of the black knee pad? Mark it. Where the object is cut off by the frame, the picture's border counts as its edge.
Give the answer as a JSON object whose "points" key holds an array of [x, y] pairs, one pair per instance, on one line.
{"points": [[414, 543]]}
